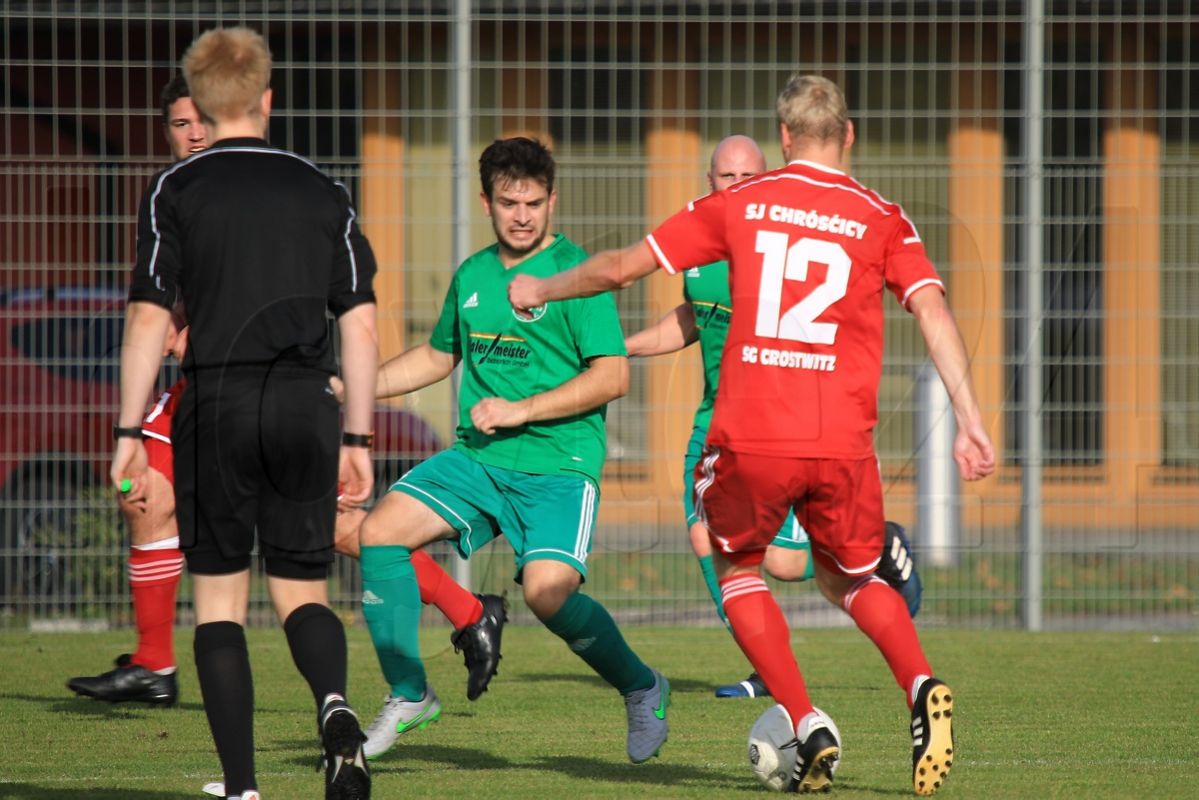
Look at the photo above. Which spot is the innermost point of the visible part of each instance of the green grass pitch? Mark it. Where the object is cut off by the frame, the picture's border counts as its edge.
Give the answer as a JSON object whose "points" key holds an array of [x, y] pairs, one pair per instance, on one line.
{"points": [[1053, 715]]}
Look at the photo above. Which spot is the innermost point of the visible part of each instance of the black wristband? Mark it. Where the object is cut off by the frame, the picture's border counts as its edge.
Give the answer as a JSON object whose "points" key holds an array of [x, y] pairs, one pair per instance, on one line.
{"points": [[358, 439], [127, 433]]}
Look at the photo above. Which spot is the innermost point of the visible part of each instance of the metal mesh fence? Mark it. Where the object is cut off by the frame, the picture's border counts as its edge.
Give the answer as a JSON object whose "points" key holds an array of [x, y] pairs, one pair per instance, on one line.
{"points": [[633, 96]]}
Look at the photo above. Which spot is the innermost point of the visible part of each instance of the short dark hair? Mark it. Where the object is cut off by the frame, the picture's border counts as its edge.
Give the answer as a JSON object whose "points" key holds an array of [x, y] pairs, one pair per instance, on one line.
{"points": [[515, 159], [170, 93]]}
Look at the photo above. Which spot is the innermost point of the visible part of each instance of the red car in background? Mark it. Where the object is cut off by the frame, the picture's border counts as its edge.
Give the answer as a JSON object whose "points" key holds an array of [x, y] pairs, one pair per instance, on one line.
{"points": [[59, 374]]}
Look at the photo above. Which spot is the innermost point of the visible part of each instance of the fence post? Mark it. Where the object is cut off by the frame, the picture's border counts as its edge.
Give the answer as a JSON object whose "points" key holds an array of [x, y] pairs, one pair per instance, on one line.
{"points": [[1031, 534], [938, 515], [462, 199]]}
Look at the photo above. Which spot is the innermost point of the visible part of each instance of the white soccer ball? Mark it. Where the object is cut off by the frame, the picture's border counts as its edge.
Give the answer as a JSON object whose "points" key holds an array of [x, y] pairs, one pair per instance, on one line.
{"points": [[773, 746]]}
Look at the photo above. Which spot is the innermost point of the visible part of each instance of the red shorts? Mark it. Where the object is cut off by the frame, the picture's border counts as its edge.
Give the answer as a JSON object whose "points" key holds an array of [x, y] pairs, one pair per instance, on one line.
{"points": [[156, 428], [743, 499]]}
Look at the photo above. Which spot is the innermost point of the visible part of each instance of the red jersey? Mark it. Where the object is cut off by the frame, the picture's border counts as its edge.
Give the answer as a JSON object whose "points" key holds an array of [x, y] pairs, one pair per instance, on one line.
{"points": [[809, 250], [156, 427]]}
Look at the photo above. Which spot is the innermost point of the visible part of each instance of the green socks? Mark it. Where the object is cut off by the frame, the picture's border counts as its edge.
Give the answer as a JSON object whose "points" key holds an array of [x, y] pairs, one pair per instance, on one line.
{"points": [[591, 633], [392, 608]]}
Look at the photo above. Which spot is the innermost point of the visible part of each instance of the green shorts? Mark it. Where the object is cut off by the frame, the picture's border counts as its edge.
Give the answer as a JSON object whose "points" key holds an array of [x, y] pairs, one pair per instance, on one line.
{"points": [[791, 535], [543, 517]]}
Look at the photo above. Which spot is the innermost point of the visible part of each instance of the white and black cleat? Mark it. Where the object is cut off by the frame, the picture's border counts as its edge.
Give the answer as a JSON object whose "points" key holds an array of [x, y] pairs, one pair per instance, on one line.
{"points": [[932, 736]]}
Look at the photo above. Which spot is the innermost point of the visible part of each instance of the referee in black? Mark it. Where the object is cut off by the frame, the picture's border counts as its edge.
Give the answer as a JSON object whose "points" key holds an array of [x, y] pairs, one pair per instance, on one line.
{"points": [[262, 245]]}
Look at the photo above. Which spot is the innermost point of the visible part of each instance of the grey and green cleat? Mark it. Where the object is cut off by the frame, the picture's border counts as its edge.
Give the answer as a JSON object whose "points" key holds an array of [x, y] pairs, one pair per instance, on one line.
{"points": [[646, 709], [400, 716]]}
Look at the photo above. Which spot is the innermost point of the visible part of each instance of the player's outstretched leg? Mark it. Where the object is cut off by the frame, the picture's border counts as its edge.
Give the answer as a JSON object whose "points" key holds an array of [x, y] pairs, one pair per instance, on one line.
{"points": [[789, 558], [817, 753], [646, 710], [128, 682], [898, 567], [479, 644], [346, 774], [399, 716], [932, 736], [750, 687], [391, 606]]}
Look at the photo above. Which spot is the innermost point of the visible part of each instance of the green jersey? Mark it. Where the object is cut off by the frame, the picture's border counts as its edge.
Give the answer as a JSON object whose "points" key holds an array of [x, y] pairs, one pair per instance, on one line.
{"points": [[707, 290], [512, 358]]}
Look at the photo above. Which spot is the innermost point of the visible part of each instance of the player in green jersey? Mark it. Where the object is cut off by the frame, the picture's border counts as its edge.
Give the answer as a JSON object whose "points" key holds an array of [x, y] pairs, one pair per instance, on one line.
{"points": [[704, 317], [526, 463]]}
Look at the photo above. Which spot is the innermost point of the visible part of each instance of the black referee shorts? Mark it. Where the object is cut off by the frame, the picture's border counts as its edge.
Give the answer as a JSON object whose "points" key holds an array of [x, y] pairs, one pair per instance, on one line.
{"points": [[256, 453]]}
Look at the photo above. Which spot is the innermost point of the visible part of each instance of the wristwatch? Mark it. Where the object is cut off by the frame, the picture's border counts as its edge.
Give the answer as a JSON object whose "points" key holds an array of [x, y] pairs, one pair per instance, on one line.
{"points": [[127, 433]]}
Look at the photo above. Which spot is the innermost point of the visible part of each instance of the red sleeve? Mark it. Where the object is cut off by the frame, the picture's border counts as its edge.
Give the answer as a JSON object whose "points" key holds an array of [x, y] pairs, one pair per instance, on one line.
{"points": [[906, 265], [692, 237]]}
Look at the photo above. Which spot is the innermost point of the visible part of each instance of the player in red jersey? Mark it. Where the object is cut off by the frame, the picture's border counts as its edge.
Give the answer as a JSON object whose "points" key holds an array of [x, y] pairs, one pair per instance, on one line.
{"points": [[810, 252], [155, 561]]}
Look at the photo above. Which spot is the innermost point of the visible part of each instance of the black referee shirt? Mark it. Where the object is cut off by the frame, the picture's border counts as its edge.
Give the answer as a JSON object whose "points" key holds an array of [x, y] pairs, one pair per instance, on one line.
{"points": [[259, 243]]}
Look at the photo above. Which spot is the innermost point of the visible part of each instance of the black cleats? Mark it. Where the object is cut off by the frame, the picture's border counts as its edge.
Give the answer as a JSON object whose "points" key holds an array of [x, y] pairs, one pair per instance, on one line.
{"points": [[815, 759], [480, 644], [932, 736], [128, 682], [346, 774]]}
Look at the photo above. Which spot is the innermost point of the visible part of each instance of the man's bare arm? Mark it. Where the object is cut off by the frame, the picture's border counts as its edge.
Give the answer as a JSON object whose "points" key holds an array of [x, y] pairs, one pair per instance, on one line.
{"points": [[414, 369], [672, 333], [141, 356], [603, 272], [359, 368], [605, 379], [972, 446]]}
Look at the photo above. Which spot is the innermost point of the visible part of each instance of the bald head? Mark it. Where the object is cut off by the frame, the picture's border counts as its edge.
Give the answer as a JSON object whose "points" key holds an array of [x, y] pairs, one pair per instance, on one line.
{"points": [[736, 158]]}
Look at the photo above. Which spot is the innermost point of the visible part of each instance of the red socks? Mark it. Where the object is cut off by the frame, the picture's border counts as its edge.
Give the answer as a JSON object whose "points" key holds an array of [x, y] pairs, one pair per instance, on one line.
{"points": [[761, 631], [437, 588], [153, 579], [882, 615]]}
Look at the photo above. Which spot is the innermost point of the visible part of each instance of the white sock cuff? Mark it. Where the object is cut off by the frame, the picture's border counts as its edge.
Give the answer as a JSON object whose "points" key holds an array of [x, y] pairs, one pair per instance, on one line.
{"points": [[917, 682]]}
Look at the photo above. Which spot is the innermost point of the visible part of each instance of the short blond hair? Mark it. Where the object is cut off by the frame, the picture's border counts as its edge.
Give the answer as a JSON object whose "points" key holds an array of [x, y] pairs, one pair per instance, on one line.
{"points": [[813, 108], [227, 71]]}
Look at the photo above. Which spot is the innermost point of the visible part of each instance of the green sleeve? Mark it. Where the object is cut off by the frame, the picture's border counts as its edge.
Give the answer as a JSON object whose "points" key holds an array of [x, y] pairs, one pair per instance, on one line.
{"points": [[445, 335], [597, 327]]}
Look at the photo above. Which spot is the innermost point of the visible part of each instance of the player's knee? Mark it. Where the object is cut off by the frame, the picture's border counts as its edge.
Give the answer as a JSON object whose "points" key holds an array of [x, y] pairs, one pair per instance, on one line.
{"points": [[833, 586], [701, 542], [377, 529], [545, 599], [545, 590], [785, 564]]}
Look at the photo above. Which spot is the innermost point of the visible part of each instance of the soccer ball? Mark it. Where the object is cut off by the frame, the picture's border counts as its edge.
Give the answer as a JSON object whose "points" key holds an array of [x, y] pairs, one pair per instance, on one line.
{"points": [[773, 746]]}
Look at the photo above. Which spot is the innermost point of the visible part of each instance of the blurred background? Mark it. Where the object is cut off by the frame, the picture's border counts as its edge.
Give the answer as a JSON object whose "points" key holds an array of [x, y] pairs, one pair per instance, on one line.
{"points": [[1047, 152]]}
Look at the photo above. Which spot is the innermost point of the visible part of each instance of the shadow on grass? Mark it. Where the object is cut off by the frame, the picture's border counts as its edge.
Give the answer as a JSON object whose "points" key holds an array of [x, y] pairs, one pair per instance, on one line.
{"points": [[650, 773], [874, 789], [89, 706], [27, 791], [463, 759], [596, 769], [676, 684]]}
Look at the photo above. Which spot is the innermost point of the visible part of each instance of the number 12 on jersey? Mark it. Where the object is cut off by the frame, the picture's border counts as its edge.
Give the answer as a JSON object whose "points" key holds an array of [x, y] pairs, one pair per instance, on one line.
{"points": [[780, 263]]}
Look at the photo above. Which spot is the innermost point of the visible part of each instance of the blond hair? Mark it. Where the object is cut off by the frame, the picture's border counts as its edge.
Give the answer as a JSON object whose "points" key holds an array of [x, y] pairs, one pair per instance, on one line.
{"points": [[813, 108], [227, 70]]}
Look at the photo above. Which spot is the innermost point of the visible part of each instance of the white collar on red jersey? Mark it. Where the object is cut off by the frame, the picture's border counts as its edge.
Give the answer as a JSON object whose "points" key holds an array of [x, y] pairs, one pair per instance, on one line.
{"points": [[814, 165]]}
